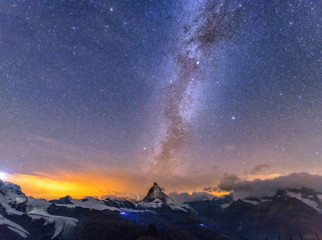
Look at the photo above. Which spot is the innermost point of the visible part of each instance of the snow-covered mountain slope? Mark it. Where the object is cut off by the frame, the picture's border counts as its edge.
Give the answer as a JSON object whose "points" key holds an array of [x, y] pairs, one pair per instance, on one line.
{"points": [[29, 218], [158, 203], [89, 202], [306, 195], [12, 203], [99, 205], [223, 202], [16, 208], [12, 199], [156, 198], [14, 227], [37, 209]]}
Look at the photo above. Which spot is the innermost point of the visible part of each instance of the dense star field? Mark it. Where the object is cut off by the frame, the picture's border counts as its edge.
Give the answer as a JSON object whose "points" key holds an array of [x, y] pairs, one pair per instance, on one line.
{"points": [[102, 97]]}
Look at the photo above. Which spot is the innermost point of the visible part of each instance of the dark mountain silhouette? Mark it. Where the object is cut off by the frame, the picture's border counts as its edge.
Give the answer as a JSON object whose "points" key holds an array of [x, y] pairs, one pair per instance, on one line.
{"points": [[155, 192]]}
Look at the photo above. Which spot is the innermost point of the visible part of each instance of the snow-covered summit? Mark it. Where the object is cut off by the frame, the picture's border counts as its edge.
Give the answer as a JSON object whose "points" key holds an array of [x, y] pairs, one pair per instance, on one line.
{"points": [[16, 209], [156, 198], [155, 192], [12, 199], [13, 203]]}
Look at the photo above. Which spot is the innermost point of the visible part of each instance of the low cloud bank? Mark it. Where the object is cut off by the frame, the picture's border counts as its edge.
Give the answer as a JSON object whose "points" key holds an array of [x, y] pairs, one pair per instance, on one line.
{"points": [[241, 188], [186, 197]]}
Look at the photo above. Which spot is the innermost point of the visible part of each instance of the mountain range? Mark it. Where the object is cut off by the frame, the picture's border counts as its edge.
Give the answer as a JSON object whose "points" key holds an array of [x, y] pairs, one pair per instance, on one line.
{"points": [[290, 212]]}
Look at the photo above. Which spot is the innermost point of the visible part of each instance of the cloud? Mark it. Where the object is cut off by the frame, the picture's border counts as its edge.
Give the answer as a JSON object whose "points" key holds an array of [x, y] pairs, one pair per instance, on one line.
{"points": [[241, 188], [228, 181], [210, 189], [259, 168], [186, 197], [121, 197]]}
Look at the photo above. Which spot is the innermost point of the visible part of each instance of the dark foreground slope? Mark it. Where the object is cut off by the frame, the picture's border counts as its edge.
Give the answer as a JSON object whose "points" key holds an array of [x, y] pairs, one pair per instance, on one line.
{"points": [[270, 217]]}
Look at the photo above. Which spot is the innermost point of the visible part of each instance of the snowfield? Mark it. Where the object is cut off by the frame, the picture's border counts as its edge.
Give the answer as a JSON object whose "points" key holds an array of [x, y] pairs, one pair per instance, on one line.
{"points": [[38, 209], [14, 227]]}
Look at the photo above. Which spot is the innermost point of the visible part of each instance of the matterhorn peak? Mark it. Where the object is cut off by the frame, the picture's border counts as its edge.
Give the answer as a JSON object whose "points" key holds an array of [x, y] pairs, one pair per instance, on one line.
{"points": [[156, 186], [155, 192]]}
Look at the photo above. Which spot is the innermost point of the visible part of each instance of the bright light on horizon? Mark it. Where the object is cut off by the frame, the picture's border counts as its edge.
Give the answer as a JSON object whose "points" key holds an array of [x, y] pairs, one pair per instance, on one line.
{"points": [[3, 176]]}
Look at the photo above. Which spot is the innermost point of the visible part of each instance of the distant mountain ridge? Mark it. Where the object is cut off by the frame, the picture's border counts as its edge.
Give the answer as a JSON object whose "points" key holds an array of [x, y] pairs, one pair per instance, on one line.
{"points": [[158, 216]]}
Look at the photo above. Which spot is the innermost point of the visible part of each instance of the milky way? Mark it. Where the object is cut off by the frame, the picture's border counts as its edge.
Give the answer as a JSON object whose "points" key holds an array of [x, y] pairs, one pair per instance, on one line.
{"points": [[216, 21]]}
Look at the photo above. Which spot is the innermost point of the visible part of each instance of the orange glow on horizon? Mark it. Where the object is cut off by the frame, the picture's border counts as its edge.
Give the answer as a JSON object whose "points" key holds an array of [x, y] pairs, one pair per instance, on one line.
{"points": [[79, 185], [49, 188], [219, 193]]}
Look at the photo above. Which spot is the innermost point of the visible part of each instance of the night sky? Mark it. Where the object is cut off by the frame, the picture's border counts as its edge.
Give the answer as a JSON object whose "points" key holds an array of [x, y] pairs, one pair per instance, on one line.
{"points": [[104, 97]]}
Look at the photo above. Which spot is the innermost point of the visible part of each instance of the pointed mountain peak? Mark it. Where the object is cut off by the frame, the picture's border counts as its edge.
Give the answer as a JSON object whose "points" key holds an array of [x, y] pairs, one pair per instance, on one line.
{"points": [[156, 186], [63, 200], [155, 192]]}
